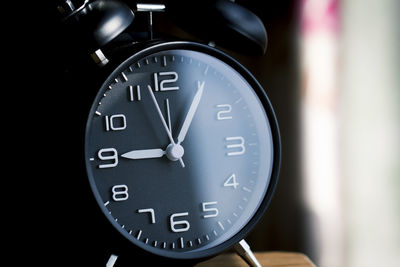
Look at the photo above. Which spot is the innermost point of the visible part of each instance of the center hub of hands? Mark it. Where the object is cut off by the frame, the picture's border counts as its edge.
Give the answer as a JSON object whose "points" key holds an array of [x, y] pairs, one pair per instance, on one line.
{"points": [[174, 152]]}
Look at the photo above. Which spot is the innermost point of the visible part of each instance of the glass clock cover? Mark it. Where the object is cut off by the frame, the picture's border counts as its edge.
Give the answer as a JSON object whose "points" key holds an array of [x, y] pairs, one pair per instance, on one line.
{"points": [[181, 150]]}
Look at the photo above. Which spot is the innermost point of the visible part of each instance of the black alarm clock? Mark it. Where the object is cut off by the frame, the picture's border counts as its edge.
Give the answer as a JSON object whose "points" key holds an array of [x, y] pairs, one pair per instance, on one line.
{"points": [[181, 147]]}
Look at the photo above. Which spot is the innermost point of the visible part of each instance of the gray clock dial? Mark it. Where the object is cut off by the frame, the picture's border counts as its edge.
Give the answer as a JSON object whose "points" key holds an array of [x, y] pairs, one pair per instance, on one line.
{"points": [[179, 151]]}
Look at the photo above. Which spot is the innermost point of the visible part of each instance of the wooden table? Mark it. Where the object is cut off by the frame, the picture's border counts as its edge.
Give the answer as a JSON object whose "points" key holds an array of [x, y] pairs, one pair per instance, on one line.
{"points": [[266, 259]]}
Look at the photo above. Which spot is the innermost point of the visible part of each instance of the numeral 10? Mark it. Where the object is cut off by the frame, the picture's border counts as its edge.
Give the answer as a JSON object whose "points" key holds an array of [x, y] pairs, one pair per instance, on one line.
{"points": [[115, 122]]}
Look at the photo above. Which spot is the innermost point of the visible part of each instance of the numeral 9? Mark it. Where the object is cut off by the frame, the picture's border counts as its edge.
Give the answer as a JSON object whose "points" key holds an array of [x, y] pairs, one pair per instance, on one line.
{"points": [[108, 154]]}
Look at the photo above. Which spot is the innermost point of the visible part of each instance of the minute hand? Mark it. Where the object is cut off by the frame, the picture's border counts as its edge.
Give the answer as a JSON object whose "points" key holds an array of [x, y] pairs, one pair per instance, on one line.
{"points": [[191, 112]]}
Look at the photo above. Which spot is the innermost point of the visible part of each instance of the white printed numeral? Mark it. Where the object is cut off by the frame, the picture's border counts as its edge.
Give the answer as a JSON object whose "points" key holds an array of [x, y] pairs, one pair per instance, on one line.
{"points": [[231, 181], [224, 113], [181, 225], [209, 209], [151, 213], [116, 122], [134, 94], [110, 154], [164, 85], [237, 146], [119, 192]]}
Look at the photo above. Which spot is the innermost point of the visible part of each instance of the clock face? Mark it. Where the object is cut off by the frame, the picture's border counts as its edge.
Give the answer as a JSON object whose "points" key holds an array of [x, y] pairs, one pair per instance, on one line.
{"points": [[181, 150]]}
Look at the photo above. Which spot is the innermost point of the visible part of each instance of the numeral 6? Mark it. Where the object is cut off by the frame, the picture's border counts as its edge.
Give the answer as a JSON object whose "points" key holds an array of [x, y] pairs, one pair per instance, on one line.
{"points": [[181, 225]]}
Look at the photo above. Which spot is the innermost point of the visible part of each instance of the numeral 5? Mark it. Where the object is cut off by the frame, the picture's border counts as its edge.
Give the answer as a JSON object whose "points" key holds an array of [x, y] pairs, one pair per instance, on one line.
{"points": [[209, 209]]}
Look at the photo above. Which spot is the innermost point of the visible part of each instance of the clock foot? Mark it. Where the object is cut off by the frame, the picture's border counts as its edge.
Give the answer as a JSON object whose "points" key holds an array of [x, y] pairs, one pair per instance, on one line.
{"points": [[244, 251], [111, 261]]}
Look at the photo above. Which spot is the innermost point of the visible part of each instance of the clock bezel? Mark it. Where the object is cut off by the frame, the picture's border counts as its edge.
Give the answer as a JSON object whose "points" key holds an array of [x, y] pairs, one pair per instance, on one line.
{"points": [[192, 46]]}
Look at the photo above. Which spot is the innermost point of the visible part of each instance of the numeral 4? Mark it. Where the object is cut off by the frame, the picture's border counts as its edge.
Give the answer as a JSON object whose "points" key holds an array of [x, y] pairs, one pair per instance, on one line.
{"points": [[231, 181]]}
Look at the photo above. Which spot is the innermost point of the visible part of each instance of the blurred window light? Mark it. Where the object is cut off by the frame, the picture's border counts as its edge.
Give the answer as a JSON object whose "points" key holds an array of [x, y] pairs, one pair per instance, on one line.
{"points": [[319, 103], [370, 116], [351, 130]]}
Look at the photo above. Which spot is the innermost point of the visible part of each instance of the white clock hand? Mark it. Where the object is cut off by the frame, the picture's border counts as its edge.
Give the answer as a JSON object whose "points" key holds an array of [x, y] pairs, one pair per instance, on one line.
{"points": [[168, 115], [153, 97], [175, 155], [191, 112], [144, 154]]}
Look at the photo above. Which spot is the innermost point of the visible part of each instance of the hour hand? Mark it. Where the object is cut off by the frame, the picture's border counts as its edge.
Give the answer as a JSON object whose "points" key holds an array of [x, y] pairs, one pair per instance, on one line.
{"points": [[144, 154]]}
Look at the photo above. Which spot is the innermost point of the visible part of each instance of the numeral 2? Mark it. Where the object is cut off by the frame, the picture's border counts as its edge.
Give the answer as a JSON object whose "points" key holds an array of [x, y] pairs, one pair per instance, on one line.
{"points": [[224, 113]]}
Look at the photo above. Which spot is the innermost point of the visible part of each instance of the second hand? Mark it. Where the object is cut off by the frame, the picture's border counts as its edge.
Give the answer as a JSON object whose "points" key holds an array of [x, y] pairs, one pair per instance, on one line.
{"points": [[168, 115], [163, 121]]}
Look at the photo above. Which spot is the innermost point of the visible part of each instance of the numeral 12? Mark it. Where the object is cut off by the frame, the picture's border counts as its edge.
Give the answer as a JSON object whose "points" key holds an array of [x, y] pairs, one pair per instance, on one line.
{"points": [[165, 85]]}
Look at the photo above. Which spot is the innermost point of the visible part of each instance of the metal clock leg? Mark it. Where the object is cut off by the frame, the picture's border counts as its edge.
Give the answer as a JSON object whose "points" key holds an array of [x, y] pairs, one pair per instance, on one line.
{"points": [[111, 261], [244, 251]]}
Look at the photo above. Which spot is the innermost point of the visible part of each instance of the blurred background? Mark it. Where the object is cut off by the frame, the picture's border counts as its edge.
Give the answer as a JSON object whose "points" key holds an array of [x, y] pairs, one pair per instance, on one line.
{"points": [[332, 72]]}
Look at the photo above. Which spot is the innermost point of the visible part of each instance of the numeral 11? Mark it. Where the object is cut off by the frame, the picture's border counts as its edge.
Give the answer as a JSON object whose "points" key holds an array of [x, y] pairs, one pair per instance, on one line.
{"points": [[134, 93]]}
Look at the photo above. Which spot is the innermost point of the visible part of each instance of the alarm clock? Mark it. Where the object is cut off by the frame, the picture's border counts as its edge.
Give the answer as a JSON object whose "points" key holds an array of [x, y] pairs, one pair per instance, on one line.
{"points": [[181, 147]]}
